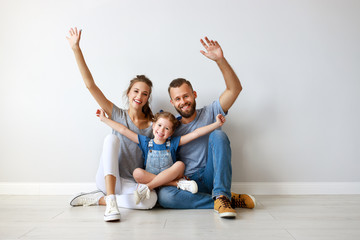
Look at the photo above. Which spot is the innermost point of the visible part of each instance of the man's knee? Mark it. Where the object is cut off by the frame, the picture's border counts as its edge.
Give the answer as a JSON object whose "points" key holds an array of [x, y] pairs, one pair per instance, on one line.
{"points": [[219, 148], [219, 136]]}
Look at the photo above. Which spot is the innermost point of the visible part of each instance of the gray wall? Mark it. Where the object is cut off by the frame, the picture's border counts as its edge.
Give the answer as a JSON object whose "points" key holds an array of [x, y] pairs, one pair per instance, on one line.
{"points": [[297, 118]]}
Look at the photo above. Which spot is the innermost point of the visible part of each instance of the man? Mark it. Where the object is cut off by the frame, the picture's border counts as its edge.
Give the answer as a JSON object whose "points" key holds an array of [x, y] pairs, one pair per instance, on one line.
{"points": [[207, 159]]}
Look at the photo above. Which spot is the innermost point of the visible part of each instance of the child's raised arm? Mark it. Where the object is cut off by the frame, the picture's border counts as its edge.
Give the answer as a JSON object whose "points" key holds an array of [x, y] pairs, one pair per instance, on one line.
{"points": [[220, 120], [117, 126]]}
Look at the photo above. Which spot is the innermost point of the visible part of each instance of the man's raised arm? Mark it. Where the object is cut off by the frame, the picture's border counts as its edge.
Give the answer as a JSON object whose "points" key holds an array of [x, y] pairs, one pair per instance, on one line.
{"points": [[232, 82]]}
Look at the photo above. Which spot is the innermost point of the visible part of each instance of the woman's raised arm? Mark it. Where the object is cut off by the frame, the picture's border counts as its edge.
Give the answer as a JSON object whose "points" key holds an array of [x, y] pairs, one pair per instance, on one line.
{"points": [[74, 40]]}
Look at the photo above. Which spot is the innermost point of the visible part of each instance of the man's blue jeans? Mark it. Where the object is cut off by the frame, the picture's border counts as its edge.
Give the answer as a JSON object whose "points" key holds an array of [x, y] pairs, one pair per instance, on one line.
{"points": [[213, 180]]}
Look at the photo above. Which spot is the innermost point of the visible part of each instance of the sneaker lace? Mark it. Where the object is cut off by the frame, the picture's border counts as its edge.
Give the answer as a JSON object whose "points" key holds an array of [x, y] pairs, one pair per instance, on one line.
{"points": [[112, 207], [87, 201], [239, 202], [225, 202], [142, 191]]}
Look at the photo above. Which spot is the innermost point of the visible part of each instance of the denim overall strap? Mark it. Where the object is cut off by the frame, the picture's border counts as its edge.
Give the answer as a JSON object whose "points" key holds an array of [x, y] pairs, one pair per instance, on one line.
{"points": [[168, 145], [151, 144]]}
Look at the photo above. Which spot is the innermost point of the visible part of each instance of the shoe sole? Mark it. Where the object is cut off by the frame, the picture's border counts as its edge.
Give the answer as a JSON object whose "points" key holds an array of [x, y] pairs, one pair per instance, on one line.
{"points": [[82, 194], [226, 214], [253, 199], [112, 218]]}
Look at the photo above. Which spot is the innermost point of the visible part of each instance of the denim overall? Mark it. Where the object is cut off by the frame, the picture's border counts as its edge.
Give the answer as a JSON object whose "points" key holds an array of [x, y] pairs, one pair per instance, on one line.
{"points": [[158, 160]]}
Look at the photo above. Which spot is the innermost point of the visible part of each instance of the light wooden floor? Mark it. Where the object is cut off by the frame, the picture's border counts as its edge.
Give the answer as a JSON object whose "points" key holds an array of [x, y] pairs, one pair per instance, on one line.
{"points": [[276, 217]]}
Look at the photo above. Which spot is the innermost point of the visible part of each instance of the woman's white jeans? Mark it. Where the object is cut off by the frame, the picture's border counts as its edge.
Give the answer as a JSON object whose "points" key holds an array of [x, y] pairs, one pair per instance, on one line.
{"points": [[124, 188]]}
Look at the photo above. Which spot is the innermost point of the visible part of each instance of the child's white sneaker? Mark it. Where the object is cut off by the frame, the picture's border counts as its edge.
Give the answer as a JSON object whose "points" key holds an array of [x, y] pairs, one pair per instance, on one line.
{"points": [[142, 191], [112, 212], [187, 185]]}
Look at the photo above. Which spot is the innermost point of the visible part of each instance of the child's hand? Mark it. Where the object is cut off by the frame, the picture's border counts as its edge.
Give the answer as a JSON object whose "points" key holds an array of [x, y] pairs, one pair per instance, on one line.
{"points": [[101, 114], [74, 38], [220, 119]]}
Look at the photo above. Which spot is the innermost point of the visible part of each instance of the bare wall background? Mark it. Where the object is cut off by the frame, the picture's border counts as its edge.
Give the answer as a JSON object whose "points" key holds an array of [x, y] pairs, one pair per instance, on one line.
{"points": [[297, 119]]}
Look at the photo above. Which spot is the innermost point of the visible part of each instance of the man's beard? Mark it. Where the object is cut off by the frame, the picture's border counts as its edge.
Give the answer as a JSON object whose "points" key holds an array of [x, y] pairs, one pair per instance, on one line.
{"points": [[190, 113]]}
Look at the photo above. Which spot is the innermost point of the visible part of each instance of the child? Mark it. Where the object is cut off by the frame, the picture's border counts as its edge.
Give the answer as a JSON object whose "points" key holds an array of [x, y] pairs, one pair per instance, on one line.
{"points": [[160, 153]]}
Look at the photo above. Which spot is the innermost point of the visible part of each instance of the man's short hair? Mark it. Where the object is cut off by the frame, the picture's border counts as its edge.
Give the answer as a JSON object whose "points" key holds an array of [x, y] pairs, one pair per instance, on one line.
{"points": [[178, 82]]}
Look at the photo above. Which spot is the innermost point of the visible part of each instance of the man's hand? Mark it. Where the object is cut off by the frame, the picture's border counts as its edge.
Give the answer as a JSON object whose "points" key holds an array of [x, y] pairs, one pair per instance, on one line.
{"points": [[74, 38], [213, 50]]}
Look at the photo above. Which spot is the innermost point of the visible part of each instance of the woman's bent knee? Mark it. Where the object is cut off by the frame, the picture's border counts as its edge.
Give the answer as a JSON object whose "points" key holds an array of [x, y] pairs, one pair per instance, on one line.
{"points": [[111, 139]]}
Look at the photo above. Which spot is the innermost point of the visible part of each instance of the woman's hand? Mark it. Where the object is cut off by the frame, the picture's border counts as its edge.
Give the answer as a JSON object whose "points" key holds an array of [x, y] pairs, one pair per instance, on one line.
{"points": [[74, 38]]}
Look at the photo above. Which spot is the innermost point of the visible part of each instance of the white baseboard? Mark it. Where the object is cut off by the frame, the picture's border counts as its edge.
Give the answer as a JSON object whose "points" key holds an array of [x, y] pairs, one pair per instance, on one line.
{"points": [[296, 188], [7, 188], [256, 188]]}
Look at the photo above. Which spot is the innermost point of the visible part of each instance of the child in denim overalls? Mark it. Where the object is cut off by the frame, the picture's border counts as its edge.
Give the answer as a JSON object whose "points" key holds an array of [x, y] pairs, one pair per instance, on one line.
{"points": [[161, 167]]}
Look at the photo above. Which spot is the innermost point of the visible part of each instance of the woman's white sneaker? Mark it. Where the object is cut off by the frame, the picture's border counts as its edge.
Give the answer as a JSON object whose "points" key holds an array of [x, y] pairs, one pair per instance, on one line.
{"points": [[187, 185], [112, 212], [87, 199]]}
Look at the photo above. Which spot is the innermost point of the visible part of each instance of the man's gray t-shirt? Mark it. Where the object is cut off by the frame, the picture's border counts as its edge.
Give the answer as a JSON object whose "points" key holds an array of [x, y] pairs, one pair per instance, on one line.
{"points": [[130, 155], [194, 153]]}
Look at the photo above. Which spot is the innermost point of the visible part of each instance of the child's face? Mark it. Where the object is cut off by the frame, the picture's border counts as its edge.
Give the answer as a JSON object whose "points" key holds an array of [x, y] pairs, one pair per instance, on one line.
{"points": [[162, 129]]}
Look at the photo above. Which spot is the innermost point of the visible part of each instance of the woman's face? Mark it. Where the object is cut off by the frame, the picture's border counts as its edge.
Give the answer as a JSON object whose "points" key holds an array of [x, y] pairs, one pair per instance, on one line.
{"points": [[138, 95]]}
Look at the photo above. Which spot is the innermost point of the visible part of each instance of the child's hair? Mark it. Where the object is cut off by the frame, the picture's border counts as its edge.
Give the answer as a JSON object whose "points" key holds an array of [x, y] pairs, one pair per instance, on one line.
{"points": [[146, 108], [168, 116]]}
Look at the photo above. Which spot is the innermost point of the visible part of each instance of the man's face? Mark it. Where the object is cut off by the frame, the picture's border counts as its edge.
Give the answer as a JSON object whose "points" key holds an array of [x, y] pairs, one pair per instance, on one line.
{"points": [[183, 99]]}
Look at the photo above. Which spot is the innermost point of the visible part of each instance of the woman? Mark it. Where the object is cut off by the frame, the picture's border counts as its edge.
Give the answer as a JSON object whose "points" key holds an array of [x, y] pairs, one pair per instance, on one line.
{"points": [[120, 156]]}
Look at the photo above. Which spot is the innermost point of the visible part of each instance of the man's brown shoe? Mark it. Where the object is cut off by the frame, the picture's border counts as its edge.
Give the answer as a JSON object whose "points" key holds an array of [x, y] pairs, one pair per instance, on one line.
{"points": [[222, 206], [242, 201]]}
